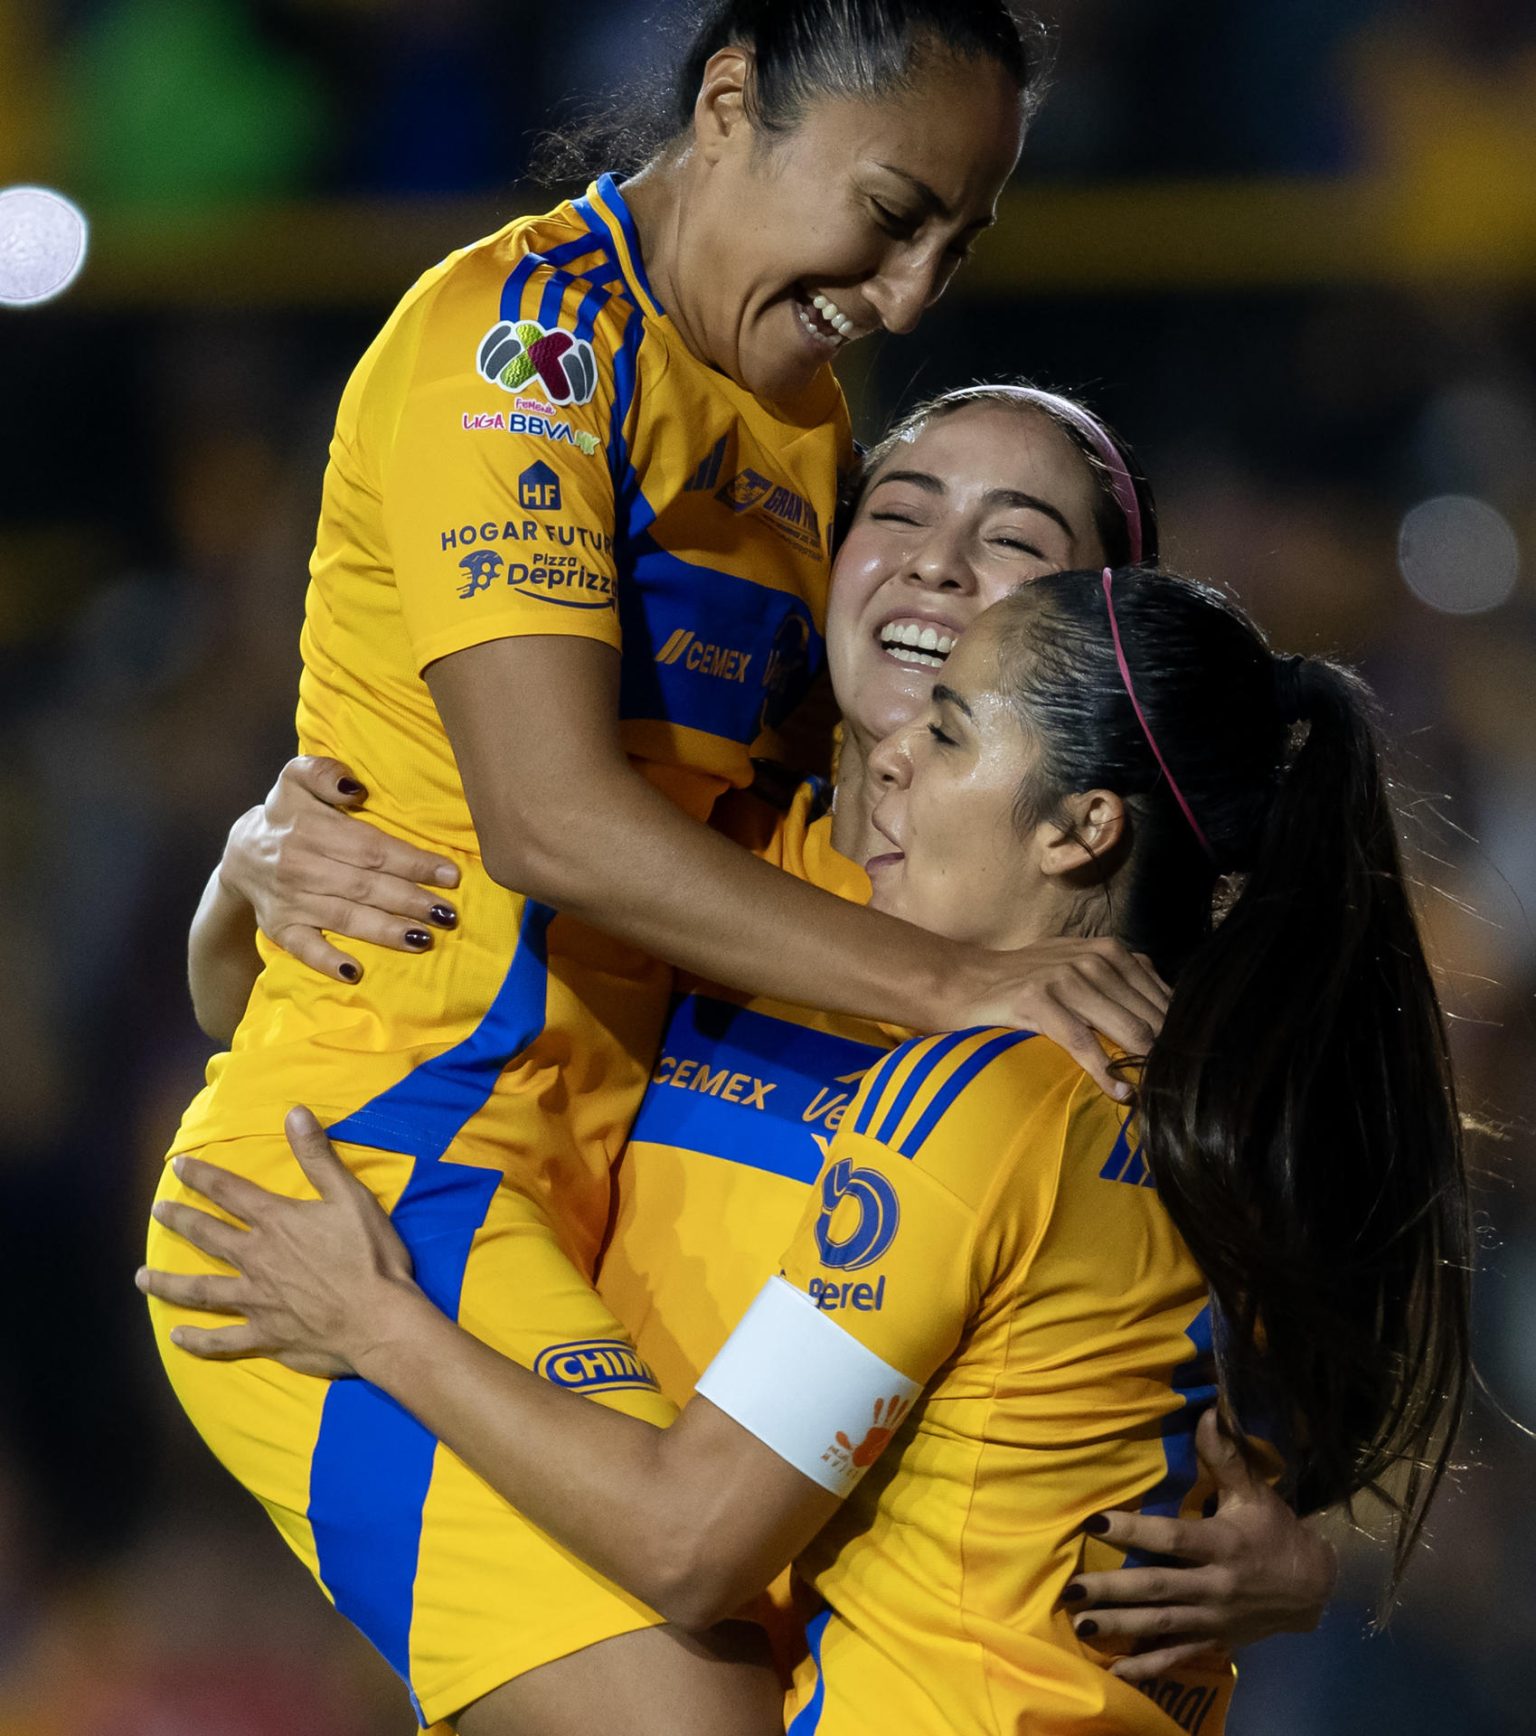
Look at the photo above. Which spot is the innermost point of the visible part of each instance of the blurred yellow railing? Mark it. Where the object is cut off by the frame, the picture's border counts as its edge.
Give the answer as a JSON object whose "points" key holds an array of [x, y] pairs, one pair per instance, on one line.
{"points": [[1050, 240]]}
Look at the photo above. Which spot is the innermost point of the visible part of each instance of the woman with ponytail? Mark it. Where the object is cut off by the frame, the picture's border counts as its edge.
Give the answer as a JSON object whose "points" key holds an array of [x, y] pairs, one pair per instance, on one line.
{"points": [[998, 1296], [570, 574]]}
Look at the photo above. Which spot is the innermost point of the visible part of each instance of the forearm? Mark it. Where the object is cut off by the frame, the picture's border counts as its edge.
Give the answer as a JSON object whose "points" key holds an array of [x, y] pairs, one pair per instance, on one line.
{"points": [[633, 1501], [222, 960], [630, 862]]}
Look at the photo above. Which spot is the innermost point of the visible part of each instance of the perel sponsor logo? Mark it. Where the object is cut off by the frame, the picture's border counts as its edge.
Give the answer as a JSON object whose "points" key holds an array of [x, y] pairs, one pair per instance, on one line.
{"points": [[862, 1298], [873, 1229], [594, 1365]]}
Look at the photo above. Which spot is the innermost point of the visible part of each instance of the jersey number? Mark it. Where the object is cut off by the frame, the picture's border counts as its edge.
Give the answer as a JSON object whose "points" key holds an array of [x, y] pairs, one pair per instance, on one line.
{"points": [[879, 1214]]}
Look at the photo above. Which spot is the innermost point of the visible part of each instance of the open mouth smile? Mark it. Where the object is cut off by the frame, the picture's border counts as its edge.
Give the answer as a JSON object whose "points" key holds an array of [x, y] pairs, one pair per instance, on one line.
{"points": [[824, 320], [918, 644]]}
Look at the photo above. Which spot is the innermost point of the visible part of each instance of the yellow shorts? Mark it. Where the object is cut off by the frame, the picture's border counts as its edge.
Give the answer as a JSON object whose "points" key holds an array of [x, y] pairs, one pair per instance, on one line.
{"points": [[456, 1590]]}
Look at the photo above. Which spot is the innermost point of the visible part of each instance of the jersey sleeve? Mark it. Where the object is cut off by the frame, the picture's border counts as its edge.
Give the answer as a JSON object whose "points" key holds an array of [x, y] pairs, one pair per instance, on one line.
{"points": [[498, 461], [885, 1271]]}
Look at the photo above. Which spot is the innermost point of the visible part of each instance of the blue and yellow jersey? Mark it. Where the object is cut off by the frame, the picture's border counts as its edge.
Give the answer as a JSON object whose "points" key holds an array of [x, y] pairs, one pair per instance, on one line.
{"points": [[734, 1127], [985, 1279], [528, 448]]}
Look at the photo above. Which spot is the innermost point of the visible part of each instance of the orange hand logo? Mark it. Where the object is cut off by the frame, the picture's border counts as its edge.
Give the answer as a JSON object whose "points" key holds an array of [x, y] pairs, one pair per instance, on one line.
{"points": [[874, 1443]]}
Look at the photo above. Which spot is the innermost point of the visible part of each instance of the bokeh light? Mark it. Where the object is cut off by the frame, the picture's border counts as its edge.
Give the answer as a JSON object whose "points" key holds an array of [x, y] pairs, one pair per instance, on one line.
{"points": [[1458, 554], [42, 245]]}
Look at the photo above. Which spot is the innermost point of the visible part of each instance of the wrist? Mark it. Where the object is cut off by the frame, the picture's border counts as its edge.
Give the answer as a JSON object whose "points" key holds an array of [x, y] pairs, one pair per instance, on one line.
{"points": [[227, 875], [392, 1314]]}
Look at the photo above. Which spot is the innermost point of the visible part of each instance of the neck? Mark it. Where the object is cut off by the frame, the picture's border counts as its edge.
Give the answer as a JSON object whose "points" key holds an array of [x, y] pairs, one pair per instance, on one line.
{"points": [[657, 200], [853, 833]]}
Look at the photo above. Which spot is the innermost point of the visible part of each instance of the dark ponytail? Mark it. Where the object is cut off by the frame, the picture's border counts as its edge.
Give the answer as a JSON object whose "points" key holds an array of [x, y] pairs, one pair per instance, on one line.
{"points": [[801, 50], [1298, 1111]]}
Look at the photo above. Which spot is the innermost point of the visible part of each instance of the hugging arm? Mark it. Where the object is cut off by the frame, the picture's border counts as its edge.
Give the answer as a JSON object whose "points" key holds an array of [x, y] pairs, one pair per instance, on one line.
{"points": [[563, 816], [694, 1519]]}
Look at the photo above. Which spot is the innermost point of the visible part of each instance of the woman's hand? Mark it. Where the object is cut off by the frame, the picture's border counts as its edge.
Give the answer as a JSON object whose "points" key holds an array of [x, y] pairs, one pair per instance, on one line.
{"points": [[303, 864], [1255, 1570], [1066, 990], [317, 1280]]}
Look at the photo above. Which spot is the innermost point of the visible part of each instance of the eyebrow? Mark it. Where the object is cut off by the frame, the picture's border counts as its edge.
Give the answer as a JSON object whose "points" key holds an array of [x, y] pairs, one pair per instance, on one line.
{"points": [[931, 200], [943, 695], [1016, 497]]}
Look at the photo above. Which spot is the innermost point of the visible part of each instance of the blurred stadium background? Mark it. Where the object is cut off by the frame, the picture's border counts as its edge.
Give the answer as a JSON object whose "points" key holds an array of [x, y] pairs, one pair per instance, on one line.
{"points": [[1289, 249]]}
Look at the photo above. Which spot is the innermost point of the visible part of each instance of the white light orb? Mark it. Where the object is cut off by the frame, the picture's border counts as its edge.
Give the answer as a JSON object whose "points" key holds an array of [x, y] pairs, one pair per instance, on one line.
{"points": [[1458, 554], [42, 245]]}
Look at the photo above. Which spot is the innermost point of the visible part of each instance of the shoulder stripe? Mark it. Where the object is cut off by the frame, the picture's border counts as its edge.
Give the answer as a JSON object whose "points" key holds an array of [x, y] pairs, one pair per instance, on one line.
{"points": [[517, 282], [595, 300], [1126, 1162], [898, 1105], [568, 253], [605, 275], [553, 301], [875, 1082], [964, 1072], [607, 214], [626, 370]]}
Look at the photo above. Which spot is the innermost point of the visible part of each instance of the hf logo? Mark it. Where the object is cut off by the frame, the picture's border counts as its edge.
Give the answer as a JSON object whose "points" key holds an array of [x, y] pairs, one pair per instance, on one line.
{"points": [[879, 1215]]}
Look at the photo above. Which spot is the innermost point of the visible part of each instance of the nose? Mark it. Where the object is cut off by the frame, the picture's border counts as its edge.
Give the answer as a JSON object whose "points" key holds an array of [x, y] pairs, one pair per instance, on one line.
{"points": [[939, 562], [907, 288], [891, 758]]}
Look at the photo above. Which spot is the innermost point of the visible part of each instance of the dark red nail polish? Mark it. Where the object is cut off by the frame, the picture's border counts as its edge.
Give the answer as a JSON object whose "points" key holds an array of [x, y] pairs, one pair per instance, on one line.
{"points": [[1073, 1593], [443, 916], [1086, 1629], [1097, 1525], [417, 937], [350, 972], [350, 787]]}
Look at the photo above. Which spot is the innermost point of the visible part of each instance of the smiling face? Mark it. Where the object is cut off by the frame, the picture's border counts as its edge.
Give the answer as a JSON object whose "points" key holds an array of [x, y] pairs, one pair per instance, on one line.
{"points": [[851, 222], [949, 855], [980, 500]]}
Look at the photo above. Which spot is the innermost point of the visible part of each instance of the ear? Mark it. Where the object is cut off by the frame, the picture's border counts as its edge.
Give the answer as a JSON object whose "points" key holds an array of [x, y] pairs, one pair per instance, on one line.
{"points": [[1092, 828], [720, 121]]}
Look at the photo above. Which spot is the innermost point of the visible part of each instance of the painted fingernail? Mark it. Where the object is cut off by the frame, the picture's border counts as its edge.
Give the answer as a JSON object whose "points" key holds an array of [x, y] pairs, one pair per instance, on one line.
{"points": [[1073, 1593], [443, 915], [349, 973], [417, 937], [1097, 1525], [350, 787], [1086, 1628]]}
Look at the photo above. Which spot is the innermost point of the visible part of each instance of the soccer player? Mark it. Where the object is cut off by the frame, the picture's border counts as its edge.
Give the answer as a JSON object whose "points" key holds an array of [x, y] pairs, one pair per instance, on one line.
{"points": [[570, 567], [991, 486], [997, 1272]]}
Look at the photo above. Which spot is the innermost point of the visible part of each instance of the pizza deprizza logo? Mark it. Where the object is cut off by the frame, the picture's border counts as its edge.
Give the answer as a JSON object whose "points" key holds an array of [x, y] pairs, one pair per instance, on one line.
{"points": [[512, 356]]}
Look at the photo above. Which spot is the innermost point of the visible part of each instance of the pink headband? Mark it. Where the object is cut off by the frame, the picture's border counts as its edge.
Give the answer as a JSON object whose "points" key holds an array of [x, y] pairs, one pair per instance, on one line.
{"points": [[1097, 436], [1146, 728]]}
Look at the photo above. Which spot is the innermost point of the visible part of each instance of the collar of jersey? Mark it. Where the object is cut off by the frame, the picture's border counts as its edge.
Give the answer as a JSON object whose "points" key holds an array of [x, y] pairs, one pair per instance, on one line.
{"points": [[607, 215]]}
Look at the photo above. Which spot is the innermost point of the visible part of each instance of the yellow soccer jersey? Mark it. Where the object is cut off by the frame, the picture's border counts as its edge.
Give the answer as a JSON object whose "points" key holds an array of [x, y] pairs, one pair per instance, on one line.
{"points": [[529, 448], [985, 1274], [734, 1127]]}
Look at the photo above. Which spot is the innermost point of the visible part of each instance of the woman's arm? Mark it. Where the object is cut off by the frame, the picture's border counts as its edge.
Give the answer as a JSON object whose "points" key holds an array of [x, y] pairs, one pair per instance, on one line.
{"points": [[297, 865], [562, 816], [694, 1519]]}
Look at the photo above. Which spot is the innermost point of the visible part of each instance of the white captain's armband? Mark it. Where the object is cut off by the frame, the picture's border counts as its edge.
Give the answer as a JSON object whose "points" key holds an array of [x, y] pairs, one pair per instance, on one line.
{"points": [[809, 1391]]}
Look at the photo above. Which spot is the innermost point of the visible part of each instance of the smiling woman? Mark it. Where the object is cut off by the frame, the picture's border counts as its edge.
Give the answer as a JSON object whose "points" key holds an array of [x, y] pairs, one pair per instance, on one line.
{"points": [[581, 448]]}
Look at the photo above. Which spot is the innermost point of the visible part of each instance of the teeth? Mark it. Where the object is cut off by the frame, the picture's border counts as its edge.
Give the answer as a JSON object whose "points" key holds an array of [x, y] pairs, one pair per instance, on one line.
{"points": [[907, 642], [816, 332], [834, 316]]}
